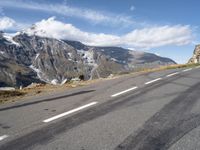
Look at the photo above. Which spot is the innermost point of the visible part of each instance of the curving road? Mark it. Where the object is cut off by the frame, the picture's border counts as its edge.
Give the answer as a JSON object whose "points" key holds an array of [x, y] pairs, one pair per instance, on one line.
{"points": [[151, 111]]}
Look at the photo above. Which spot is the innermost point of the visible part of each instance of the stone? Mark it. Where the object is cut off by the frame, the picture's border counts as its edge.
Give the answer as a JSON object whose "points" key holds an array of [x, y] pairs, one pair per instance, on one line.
{"points": [[196, 55]]}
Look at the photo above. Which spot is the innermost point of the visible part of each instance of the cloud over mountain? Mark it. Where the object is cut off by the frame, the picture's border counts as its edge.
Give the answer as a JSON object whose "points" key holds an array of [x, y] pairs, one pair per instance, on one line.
{"points": [[145, 38], [6, 23]]}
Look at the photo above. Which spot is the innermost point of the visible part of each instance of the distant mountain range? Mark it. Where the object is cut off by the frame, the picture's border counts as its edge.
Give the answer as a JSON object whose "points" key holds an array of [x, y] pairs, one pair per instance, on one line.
{"points": [[26, 57]]}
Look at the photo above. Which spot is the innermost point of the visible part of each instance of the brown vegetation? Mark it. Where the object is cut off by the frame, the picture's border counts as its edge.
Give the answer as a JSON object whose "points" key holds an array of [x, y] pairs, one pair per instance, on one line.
{"points": [[7, 95]]}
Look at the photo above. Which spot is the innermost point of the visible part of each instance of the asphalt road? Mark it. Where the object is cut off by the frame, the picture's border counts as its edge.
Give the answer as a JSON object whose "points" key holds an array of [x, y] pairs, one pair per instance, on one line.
{"points": [[152, 111]]}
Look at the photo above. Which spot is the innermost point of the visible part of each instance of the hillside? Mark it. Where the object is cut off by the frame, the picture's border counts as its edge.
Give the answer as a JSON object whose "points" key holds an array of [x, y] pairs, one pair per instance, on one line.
{"points": [[27, 58]]}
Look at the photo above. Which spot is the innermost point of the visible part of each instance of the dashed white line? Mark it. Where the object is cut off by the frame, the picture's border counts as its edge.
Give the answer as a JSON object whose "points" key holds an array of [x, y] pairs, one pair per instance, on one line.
{"points": [[152, 81], [3, 137], [125, 91], [170, 75], [69, 112], [187, 69]]}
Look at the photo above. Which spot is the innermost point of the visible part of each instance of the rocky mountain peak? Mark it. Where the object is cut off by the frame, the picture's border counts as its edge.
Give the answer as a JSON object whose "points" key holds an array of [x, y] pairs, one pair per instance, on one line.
{"points": [[196, 55], [34, 30]]}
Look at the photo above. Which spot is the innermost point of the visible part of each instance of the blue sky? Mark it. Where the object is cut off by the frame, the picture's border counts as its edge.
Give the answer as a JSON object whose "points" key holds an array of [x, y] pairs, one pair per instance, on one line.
{"points": [[168, 28]]}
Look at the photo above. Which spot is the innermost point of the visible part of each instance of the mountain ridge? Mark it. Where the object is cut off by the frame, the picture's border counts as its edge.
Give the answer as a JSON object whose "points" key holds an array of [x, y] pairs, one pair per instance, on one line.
{"points": [[31, 58]]}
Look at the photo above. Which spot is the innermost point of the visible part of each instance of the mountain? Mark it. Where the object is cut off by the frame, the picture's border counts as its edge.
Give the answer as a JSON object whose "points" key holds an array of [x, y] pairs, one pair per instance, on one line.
{"points": [[196, 55], [26, 57], [129, 58]]}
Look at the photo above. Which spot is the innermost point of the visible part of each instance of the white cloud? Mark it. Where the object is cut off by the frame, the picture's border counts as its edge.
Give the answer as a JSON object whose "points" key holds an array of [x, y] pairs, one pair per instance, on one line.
{"points": [[132, 8], [6, 23], [66, 10], [138, 39], [56, 29], [159, 36]]}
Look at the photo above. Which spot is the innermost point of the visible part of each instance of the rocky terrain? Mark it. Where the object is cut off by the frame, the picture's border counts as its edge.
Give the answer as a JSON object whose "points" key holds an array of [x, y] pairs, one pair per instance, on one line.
{"points": [[196, 55], [27, 58]]}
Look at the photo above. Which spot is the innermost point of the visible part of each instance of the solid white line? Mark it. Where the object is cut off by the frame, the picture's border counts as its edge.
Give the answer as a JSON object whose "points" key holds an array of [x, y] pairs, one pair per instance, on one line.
{"points": [[153, 81], [125, 91], [69, 112], [187, 69], [175, 73], [3, 137]]}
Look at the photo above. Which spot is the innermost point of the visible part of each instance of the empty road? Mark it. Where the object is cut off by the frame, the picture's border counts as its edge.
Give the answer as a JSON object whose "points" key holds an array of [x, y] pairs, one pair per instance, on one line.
{"points": [[151, 111]]}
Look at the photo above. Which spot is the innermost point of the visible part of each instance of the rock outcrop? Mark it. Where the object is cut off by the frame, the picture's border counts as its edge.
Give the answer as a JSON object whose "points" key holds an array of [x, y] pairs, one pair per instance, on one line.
{"points": [[196, 55]]}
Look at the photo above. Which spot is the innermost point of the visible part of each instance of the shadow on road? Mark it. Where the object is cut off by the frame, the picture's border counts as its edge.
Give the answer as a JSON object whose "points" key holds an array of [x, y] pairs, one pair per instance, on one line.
{"points": [[46, 100]]}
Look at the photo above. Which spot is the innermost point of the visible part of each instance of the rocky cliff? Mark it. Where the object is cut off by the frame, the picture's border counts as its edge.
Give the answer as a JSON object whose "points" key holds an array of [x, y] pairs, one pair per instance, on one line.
{"points": [[30, 58], [196, 55]]}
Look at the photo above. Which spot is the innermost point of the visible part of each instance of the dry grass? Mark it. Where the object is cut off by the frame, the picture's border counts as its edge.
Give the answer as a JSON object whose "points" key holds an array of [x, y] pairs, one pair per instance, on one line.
{"points": [[178, 66], [146, 70], [8, 95]]}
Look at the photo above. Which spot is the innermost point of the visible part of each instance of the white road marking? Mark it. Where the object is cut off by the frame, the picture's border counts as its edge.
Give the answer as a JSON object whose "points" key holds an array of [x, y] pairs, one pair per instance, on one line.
{"points": [[153, 81], [187, 69], [69, 112], [125, 91], [3, 137], [175, 73]]}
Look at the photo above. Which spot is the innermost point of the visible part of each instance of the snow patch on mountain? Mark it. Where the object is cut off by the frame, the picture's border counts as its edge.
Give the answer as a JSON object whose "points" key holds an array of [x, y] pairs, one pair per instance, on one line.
{"points": [[70, 55], [42, 77], [54, 82], [38, 71], [37, 55], [1, 52], [63, 81], [113, 59], [88, 57], [9, 38], [40, 74]]}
